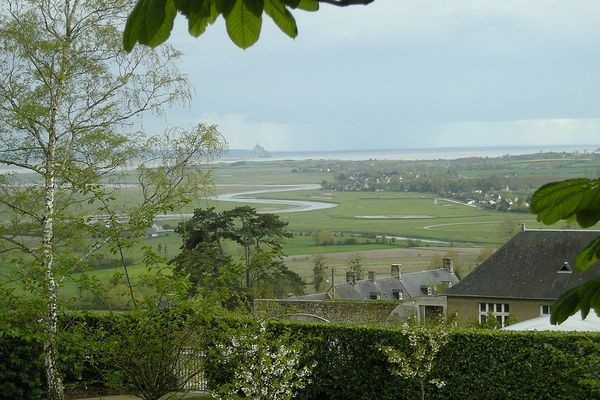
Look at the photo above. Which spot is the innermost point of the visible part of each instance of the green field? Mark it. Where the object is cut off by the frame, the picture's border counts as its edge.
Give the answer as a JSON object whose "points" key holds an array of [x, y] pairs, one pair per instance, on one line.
{"points": [[459, 230], [412, 215]]}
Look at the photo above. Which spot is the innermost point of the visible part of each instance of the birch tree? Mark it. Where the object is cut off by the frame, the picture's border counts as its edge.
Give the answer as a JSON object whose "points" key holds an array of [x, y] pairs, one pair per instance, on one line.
{"points": [[71, 103]]}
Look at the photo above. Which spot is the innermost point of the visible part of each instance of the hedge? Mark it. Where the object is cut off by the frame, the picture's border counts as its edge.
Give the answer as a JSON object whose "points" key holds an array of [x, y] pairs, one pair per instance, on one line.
{"points": [[475, 364], [21, 367]]}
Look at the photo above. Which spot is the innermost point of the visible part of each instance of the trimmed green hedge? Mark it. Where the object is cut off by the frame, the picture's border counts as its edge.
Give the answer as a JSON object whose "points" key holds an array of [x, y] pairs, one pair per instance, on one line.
{"points": [[21, 367], [475, 364]]}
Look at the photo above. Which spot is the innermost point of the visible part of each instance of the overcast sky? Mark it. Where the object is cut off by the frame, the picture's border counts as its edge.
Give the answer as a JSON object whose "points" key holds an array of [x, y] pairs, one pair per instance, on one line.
{"points": [[404, 74]]}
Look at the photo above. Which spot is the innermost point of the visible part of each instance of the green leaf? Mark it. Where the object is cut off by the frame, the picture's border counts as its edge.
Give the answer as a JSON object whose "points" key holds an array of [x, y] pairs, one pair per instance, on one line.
{"points": [[188, 7], [243, 19], [282, 17], [306, 5], [291, 3], [150, 23], [200, 17], [588, 256], [561, 200], [584, 297], [197, 25]]}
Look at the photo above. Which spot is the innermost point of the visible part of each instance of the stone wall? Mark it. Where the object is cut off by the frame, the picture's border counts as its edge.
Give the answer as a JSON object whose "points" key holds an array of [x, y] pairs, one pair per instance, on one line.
{"points": [[368, 311]]}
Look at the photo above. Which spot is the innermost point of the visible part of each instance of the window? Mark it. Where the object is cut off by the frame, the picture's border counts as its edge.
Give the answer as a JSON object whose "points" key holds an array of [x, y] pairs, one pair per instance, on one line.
{"points": [[397, 294], [431, 312], [375, 296], [499, 310], [545, 310]]}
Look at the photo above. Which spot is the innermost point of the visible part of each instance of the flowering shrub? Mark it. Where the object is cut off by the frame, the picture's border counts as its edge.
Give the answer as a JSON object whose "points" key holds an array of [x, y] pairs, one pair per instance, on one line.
{"points": [[266, 367], [424, 344]]}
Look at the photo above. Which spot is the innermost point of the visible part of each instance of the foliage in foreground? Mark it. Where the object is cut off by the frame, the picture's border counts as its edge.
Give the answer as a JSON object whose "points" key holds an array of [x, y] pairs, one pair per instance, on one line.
{"points": [[475, 365], [142, 351], [417, 361], [579, 200], [151, 21], [263, 366]]}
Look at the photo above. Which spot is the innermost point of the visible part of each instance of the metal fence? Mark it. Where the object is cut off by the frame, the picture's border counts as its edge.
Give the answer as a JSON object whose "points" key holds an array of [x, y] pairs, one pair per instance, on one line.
{"points": [[190, 370]]}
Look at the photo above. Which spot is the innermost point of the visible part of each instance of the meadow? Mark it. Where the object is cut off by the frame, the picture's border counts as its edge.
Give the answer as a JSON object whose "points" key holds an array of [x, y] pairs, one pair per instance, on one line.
{"points": [[410, 215], [425, 226]]}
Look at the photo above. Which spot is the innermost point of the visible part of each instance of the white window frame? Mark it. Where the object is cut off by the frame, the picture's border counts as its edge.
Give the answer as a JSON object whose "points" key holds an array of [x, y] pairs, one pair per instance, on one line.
{"points": [[542, 309], [500, 310]]}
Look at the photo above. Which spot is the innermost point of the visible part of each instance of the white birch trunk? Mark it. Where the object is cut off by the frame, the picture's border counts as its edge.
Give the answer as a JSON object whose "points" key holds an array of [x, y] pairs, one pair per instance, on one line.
{"points": [[55, 385]]}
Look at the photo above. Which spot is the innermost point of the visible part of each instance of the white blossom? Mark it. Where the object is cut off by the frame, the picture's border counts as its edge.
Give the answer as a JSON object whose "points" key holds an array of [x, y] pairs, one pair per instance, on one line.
{"points": [[268, 368]]}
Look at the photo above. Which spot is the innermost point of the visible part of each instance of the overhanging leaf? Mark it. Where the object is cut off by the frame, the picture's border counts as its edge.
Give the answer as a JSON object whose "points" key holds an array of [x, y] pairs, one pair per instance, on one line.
{"points": [[584, 297], [282, 17], [306, 5], [588, 256], [243, 19], [561, 200], [150, 23], [291, 3], [201, 17], [188, 7]]}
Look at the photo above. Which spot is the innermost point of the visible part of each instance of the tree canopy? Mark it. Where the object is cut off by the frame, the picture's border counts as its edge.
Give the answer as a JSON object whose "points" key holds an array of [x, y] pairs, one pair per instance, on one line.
{"points": [[151, 21], [212, 272], [70, 105]]}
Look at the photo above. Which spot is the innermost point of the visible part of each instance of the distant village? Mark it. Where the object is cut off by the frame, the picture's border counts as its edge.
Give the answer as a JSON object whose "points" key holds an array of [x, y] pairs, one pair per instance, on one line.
{"points": [[517, 283]]}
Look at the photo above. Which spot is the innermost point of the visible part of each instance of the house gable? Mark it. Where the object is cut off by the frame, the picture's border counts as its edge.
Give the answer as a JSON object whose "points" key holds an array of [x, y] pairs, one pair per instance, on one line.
{"points": [[534, 264]]}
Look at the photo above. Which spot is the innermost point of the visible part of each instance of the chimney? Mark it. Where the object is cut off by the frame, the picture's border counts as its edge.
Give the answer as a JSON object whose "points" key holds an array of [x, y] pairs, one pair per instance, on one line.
{"points": [[395, 270], [523, 229], [447, 263], [351, 277], [372, 276]]}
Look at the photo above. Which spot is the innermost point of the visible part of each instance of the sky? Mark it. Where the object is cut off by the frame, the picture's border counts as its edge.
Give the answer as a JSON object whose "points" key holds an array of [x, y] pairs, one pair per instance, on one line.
{"points": [[403, 74]]}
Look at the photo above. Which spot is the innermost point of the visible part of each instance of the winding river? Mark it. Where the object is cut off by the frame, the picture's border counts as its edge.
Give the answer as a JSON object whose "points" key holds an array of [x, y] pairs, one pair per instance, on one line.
{"points": [[295, 205]]}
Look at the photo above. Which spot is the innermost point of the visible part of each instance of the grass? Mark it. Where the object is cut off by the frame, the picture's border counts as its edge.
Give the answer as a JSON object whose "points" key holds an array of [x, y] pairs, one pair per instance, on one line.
{"points": [[422, 216], [432, 218], [271, 172], [415, 215]]}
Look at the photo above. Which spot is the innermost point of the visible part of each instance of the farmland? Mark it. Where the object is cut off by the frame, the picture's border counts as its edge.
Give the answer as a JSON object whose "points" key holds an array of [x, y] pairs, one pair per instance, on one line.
{"points": [[414, 229]]}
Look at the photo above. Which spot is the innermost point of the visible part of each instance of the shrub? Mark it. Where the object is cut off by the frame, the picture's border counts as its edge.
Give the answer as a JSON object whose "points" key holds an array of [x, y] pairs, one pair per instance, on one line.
{"points": [[474, 364], [21, 369]]}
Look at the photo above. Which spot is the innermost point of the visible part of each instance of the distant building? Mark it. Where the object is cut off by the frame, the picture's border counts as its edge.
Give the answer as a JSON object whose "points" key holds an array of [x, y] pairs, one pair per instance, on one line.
{"points": [[398, 286], [154, 231], [419, 294], [259, 152], [522, 279]]}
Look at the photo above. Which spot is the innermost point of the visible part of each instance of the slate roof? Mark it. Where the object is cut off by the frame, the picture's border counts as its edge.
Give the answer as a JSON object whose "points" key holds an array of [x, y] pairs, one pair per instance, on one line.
{"points": [[527, 267], [411, 284]]}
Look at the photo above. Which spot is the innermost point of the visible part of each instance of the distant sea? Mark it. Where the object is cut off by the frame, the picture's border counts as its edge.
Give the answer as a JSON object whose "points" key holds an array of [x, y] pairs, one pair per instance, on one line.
{"points": [[409, 154], [452, 153]]}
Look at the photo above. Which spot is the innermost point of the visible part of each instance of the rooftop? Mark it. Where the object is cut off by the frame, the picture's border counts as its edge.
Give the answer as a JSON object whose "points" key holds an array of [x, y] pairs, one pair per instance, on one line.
{"points": [[534, 264]]}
